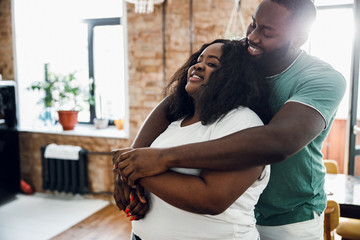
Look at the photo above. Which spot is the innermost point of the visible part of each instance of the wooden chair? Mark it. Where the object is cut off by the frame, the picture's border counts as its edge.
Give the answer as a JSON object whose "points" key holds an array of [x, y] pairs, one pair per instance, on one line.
{"points": [[331, 219], [331, 166], [348, 228]]}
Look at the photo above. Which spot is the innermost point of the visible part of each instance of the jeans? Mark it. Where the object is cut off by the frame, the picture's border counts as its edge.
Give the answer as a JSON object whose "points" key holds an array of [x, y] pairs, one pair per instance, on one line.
{"points": [[134, 237]]}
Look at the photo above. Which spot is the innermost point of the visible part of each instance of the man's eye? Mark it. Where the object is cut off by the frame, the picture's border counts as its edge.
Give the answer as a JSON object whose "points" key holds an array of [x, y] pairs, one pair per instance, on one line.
{"points": [[267, 35]]}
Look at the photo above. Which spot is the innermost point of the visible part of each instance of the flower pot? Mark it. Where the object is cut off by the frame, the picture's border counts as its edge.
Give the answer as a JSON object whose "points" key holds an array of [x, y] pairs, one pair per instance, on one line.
{"points": [[68, 119]]}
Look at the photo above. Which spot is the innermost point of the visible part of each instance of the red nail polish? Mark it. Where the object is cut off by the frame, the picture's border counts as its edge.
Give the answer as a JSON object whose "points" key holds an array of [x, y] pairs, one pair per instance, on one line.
{"points": [[132, 198], [133, 218], [114, 166], [127, 210], [128, 215]]}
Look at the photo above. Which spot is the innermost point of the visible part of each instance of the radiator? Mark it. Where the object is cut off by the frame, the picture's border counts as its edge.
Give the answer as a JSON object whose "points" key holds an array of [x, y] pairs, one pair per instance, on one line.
{"points": [[65, 175]]}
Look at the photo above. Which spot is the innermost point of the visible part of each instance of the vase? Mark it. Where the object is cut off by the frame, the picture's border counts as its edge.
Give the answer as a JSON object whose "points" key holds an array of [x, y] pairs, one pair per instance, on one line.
{"points": [[47, 116], [68, 119]]}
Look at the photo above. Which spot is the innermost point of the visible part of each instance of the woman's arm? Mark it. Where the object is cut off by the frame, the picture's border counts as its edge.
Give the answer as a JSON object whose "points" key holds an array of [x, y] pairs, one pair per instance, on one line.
{"points": [[153, 126], [210, 193]]}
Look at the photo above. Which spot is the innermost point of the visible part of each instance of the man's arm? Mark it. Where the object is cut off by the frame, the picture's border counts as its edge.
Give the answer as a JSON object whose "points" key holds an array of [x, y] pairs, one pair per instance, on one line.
{"points": [[291, 129]]}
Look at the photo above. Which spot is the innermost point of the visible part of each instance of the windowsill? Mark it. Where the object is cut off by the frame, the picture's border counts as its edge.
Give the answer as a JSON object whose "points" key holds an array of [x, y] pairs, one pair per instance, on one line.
{"points": [[87, 130]]}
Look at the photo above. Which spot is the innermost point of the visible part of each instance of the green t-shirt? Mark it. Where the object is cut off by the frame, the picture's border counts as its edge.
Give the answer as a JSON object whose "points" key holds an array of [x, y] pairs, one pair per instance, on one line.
{"points": [[296, 186]]}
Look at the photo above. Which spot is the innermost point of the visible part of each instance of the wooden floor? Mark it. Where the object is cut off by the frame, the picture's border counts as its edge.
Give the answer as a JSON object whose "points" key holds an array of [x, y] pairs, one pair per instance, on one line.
{"points": [[108, 223]]}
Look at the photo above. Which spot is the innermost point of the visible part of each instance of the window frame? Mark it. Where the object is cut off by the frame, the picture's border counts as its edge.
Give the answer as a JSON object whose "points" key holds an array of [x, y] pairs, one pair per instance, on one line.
{"points": [[91, 24], [352, 150]]}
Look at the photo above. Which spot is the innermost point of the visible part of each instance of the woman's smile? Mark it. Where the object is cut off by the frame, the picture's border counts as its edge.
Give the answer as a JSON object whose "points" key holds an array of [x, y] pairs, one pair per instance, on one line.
{"points": [[195, 77]]}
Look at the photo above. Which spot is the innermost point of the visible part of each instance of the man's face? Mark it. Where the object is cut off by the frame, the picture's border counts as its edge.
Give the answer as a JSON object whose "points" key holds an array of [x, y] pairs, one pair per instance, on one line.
{"points": [[270, 34]]}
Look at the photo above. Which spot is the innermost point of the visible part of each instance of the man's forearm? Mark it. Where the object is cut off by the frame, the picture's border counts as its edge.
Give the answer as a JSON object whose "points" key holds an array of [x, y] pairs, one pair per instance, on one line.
{"points": [[237, 151], [291, 129]]}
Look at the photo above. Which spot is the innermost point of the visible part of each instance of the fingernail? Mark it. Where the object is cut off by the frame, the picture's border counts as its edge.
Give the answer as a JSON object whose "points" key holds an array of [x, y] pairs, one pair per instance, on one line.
{"points": [[132, 198], [133, 218], [128, 215], [114, 166], [127, 210]]}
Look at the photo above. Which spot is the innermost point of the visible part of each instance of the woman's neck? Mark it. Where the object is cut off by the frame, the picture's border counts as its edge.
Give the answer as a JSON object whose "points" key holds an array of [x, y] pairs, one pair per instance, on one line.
{"points": [[190, 120]]}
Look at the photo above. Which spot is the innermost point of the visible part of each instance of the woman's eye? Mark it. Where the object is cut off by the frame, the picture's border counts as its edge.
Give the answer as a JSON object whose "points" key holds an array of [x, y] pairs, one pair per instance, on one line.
{"points": [[213, 65]]}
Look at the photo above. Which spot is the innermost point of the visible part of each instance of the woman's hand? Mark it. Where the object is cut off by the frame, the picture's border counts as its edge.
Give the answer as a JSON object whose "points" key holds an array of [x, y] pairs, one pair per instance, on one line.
{"points": [[132, 202], [121, 193], [133, 164], [137, 208]]}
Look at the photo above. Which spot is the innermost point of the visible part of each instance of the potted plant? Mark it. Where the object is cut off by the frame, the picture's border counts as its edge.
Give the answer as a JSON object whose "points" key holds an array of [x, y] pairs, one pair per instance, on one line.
{"points": [[63, 93]]}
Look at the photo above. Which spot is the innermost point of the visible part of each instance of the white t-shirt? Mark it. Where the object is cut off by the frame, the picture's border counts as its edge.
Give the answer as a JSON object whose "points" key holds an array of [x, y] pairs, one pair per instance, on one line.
{"points": [[164, 221]]}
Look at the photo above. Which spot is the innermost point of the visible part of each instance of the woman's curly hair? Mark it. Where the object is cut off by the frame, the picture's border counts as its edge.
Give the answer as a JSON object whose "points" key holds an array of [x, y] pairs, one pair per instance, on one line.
{"points": [[237, 82]]}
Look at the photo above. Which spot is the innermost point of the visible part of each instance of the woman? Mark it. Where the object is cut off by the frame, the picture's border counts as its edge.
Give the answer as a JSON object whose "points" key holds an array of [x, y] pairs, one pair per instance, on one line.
{"points": [[217, 92]]}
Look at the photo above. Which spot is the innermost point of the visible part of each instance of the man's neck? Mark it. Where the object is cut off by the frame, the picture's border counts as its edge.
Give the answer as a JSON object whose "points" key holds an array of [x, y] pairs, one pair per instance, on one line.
{"points": [[283, 64]]}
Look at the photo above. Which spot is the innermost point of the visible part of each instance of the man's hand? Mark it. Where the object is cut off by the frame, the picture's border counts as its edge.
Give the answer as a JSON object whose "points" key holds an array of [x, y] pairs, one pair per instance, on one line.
{"points": [[116, 156], [138, 163]]}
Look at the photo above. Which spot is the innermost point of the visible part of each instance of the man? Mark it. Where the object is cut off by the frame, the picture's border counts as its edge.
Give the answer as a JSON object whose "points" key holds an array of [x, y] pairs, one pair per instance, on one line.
{"points": [[305, 95]]}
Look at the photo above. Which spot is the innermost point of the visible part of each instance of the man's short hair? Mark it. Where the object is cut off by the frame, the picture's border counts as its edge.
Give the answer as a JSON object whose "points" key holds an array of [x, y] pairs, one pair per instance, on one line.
{"points": [[303, 11]]}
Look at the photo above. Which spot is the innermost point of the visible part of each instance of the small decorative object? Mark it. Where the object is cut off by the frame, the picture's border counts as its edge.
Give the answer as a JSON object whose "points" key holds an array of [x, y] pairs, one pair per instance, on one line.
{"points": [[119, 123], [144, 6], [26, 187], [101, 122], [62, 92]]}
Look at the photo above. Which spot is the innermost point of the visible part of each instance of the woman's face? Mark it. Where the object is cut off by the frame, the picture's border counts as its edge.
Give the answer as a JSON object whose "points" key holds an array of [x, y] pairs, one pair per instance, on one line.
{"points": [[199, 73]]}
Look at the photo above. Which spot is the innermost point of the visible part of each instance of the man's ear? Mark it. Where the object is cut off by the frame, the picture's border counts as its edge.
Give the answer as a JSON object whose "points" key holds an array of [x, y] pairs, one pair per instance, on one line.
{"points": [[299, 39]]}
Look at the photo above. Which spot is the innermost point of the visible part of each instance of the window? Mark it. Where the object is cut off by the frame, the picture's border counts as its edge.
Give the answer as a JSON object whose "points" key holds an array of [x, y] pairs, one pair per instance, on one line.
{"points": [[106, 68], [83, 36], [331, 40]]}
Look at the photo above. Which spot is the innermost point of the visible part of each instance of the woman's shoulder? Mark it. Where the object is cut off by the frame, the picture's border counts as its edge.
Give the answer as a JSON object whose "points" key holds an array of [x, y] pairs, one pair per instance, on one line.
{"points": [[243, 113], [236, 120]]}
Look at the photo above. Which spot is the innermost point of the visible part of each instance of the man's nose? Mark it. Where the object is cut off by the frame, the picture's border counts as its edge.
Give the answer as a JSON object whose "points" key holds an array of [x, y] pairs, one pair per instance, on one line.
{"points": [[253, 36]]}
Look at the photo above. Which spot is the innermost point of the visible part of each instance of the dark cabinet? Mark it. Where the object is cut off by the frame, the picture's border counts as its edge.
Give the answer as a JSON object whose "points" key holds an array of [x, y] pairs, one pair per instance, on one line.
{"points": [[9, 162], [9, 142]]}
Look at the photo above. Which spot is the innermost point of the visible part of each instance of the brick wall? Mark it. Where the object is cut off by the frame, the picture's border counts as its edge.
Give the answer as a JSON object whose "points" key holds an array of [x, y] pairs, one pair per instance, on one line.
{"points": [[146, 74], [6, 49]]}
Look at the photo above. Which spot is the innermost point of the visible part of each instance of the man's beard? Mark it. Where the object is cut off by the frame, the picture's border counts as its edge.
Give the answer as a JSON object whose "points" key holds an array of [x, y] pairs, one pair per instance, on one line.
{"points": [[269, 59]]}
